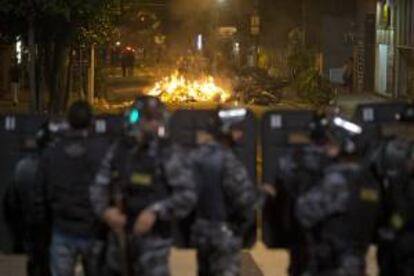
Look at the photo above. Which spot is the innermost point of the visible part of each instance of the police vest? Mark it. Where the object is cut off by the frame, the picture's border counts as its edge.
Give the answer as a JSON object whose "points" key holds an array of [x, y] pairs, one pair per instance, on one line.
{"points": [[208, 172], [71, 167], [311, 162], [398, 183], [141, 179], [401, 200], [353, 230]]}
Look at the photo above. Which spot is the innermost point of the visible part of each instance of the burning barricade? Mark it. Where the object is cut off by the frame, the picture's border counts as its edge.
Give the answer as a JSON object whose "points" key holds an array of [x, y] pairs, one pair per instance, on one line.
{"points": [[178, 89]]}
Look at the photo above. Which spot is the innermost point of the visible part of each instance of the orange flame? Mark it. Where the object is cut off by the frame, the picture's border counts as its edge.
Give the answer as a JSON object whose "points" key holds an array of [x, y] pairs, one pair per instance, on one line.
{"points": [[176, 88]]}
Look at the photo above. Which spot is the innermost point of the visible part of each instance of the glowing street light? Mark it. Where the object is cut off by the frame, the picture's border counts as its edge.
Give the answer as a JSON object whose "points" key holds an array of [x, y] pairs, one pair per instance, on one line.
{"points": [[200, 42], [19, 50]]}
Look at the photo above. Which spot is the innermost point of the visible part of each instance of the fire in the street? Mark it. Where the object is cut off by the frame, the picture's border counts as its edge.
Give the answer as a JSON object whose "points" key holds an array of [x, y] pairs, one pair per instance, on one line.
{"points": [[176, 88]]}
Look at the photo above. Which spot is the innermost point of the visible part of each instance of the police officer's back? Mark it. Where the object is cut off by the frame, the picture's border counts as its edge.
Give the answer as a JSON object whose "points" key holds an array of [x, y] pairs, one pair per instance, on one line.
{"points": [[298, 171], [67, 169], [340, 214], [227, 199], [392, 163]]}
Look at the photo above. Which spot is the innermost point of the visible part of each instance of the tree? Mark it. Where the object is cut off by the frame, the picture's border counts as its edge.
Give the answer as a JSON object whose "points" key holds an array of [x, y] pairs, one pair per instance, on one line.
{"points": [[58, 25], [307, 80], [314, 88]]}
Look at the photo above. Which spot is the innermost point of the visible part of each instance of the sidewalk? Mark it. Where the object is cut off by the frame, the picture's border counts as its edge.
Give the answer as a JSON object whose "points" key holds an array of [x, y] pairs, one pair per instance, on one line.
{"points": [[269, 262], [349, 102], [6, 103], [257, 262]]}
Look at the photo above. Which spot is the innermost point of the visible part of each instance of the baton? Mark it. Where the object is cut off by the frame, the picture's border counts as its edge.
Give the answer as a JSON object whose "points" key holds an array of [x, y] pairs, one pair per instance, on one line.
{"points": [[122, 240]]}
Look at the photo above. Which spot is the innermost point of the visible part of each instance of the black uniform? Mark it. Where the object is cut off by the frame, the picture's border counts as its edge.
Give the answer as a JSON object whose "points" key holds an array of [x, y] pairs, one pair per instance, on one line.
{"points": [[340, 216], [66, 172], [296, 174], [227, 203], [152, 176], [33, 237], [396, 232]]}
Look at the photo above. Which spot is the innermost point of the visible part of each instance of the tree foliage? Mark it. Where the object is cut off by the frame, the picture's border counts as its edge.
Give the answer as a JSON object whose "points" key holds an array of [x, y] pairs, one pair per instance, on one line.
{"points": [[307, 80], [58, 26], [312, 87], [100, 30]]}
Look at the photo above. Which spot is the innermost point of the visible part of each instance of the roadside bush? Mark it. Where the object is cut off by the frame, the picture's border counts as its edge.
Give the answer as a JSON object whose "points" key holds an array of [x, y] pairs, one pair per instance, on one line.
{"points": [[314, 89]]}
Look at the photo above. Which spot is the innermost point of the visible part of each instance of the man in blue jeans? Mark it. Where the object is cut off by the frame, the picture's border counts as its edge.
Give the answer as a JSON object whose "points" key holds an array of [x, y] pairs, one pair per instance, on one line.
{"points": [[66, 171]]}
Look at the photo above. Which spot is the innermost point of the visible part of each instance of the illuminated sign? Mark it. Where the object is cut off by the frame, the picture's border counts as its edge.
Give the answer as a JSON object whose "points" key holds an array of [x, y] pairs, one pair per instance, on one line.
{"points": [[384, 13]]}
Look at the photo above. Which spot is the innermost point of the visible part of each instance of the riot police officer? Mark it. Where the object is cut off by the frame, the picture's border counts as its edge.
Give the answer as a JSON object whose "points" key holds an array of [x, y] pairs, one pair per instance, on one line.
{"points": [[227, 197], [339, 213], [296, 173], [20, 201], [392, 163], [66, 171], [143, 183]]}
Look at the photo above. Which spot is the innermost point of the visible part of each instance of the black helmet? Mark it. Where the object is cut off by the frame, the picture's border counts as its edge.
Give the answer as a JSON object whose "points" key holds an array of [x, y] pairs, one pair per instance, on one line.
{"points": [[80, 115], [211, 125], [223, 120], [346, 134], [147, 107], [230, 118]]}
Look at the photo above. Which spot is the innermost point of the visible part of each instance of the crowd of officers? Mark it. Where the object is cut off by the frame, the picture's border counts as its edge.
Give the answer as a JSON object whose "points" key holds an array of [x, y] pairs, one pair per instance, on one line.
{"points": [[113, 209]]}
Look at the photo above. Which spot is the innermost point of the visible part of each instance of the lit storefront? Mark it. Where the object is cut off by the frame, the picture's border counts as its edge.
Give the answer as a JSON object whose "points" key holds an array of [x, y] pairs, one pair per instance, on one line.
{"points": [[384, 47], [394, 70]]}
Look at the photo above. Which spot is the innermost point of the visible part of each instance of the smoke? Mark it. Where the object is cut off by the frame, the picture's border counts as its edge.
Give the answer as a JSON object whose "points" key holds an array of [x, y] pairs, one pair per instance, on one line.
{"points": [[189, 18], [186, 9]]}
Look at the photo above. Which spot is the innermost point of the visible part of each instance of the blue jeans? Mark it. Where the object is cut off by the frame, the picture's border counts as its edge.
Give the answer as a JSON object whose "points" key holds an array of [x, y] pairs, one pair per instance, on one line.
{"points": [[66, 249]]}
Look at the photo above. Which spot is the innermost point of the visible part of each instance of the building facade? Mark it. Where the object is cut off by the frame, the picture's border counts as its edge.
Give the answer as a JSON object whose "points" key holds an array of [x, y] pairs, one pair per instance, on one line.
{"points": [[404, 49], [394, 62], [365, 45]]}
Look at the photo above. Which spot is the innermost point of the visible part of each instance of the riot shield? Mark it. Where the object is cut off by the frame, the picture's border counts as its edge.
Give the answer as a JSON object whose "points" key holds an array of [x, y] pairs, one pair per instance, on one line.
{"points": [[185, 123], [282, 133], [108, 125], [183, 128], [378, 113], [14, 129], [106, 129], [374, 117]]}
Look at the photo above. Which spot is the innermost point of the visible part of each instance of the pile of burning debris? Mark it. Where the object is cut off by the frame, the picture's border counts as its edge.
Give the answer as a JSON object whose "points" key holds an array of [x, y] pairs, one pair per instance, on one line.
{"points": [[177, 88]]}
